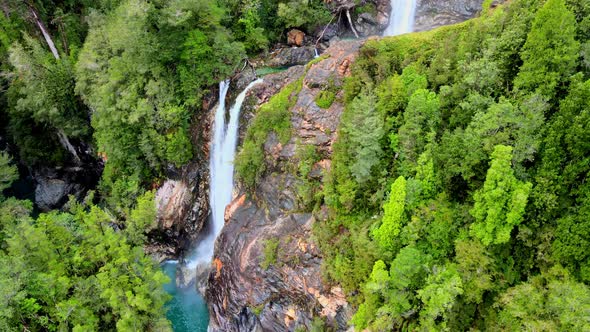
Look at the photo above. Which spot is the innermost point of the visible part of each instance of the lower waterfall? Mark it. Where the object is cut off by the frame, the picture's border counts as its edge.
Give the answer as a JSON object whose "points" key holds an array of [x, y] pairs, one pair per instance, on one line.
{"points": [[188, 310]]}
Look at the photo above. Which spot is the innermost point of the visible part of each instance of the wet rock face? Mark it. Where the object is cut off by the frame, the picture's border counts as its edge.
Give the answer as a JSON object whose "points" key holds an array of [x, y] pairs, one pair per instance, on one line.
{"points": [[183, 199], [53, 186], [266, 274], [291, 56], [435, 13]]}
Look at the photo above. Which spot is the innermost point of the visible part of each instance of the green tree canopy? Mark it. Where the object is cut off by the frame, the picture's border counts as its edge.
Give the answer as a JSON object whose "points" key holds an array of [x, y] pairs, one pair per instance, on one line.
{"points": [[551, 50], [500, 204]]}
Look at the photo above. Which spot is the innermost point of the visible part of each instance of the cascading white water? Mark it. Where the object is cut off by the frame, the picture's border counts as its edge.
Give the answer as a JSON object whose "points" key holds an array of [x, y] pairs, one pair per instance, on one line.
{"points": [[401, 18], [221, 168]]}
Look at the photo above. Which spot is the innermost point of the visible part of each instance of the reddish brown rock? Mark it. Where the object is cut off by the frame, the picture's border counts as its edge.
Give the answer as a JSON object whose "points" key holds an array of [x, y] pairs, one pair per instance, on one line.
{"points": [[233, 206], [290, 293], [295, 37]]}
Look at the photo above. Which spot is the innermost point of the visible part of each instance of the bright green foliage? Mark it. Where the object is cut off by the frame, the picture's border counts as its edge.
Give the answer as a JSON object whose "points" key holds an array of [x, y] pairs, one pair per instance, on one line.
{"points": [[270, 253], [549, 302], [391, 96], [73, 271], [393, 216], [8, 172], [142, 218], [325, 99], [308, 188], [389, 294], [439, 296], [551, 51], [500, 204], [274, 117]]}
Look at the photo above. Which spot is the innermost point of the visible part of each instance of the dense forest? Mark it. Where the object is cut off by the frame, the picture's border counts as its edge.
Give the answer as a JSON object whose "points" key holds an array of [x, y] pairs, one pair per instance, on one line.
{"points": [[459, 187], [113, 83], [458, 196]]}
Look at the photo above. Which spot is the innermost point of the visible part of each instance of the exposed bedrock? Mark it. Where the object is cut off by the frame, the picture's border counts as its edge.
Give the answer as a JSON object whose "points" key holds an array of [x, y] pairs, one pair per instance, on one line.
{"points": [[248, 290]]}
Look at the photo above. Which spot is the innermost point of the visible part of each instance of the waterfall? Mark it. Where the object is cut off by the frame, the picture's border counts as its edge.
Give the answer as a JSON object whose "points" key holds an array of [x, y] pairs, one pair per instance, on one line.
{"points": [[221, 167], [401, 18]]}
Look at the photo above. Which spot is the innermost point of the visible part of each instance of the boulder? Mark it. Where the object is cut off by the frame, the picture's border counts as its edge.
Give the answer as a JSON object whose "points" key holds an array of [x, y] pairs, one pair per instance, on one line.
{"points": [[291, 56], [295, 37], [172, 200], [52, 193], [53, 186]]}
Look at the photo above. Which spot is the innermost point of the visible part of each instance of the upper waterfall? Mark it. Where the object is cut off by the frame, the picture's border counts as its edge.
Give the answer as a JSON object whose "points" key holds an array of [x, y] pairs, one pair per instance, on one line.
{"points": [[221, 163], [401, 18]]}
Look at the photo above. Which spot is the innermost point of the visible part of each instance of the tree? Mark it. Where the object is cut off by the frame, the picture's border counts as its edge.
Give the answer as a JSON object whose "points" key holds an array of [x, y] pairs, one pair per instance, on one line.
{"points": [[500, 204], [72, 271], [389, 295], [550, 301], [142, 218], [422, 116], [475, 267], [138, 123], [365, 131], [306, 14], [439, 295], [551, 52], [393, 216], [44, 93], [8, 172]]}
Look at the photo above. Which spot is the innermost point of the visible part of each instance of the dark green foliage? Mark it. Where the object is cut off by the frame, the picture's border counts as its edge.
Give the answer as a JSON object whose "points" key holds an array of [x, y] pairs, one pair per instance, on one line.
{"points": [[482, 136], [550, 301], [308, 188], [550, 52], [42, 96], [306, 14]]}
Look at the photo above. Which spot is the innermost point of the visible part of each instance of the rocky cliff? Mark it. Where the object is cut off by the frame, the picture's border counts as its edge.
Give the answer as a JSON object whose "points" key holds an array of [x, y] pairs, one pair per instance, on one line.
{"points": [[267, 268], [435, 13]]}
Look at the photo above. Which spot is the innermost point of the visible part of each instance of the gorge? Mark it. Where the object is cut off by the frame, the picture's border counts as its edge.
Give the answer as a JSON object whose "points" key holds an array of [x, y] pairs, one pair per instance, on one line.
{"points": [[294, 165], [249, 228]]}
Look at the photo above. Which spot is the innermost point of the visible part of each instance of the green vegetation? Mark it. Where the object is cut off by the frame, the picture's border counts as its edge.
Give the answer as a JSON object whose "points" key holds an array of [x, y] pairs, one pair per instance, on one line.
{"points": [[270, 253], [308, 189], [126, 78], [458, 189], [119, 81], [272, 117], [327, 96], [325, 99], [71, 271]]}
